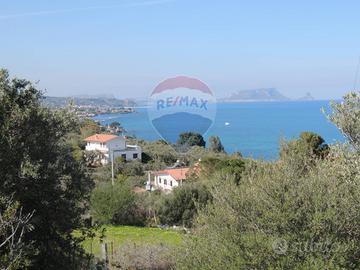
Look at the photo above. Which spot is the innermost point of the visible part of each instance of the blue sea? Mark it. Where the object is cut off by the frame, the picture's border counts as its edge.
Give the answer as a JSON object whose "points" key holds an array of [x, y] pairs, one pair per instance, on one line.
{"points": [[254, 129]]}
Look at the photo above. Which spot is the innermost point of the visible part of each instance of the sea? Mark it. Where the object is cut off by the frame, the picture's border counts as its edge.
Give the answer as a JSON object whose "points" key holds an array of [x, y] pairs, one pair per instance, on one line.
{"points": [[252, 128]]}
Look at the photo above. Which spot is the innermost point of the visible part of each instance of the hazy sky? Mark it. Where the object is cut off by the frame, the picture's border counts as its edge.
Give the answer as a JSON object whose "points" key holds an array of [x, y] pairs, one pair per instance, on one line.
{"points": [[128, 47]]}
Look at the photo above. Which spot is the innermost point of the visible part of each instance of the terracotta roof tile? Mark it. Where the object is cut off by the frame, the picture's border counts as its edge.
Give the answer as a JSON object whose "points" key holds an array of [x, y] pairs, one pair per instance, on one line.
{"points": [[101, 138], [177, 174]]}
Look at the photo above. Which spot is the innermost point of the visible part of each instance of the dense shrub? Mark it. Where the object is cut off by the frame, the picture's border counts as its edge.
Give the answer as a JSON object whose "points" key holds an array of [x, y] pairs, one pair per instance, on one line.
{"points": [[159, 154], [129, 168], [300, 212], [275, 219], [215, 144], [180, 207], [188, 139], [115, 205], [40, 171], [230, 166]]}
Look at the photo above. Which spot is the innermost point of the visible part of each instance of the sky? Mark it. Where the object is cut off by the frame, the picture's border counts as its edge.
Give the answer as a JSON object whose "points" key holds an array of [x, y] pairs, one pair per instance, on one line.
{"points": [[127, 47]]}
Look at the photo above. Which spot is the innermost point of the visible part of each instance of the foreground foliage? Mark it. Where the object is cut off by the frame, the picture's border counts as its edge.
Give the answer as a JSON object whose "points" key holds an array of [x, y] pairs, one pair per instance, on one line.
{"points": [[181, 206], [300, 212], [115, 205], [13, 226], [38, 170]]}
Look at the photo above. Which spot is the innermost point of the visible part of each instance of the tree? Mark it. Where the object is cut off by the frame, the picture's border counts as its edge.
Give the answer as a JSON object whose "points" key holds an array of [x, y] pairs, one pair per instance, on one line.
{"points": [[215, 144], [158, 154], [275, 219], [195, 154], [310, 144], [115, 205], [314, 143], [129, 168], [188, 139], [304, 152], [180, 207], [300, 212], [233, 167], [94, 158], [115, 124], [14, 224], [89, 127], [40, 172], [346, 116]]}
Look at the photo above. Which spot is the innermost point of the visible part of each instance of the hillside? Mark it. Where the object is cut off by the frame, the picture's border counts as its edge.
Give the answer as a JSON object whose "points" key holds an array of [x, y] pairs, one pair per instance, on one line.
{"points": [[307, 97], [89, 101], [263, 94]]}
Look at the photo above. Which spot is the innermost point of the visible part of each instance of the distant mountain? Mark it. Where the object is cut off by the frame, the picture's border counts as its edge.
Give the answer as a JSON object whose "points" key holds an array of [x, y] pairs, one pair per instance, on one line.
{"points": [[141, 101], [307, 97], [88, 101], [263, 94], [86, 96]]}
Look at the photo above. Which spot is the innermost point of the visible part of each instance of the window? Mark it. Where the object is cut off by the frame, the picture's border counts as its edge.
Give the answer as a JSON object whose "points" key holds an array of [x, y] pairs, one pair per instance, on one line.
{"points": [[170, 183], [165, 182], [123, 156], [159, 180], [135, 155]]}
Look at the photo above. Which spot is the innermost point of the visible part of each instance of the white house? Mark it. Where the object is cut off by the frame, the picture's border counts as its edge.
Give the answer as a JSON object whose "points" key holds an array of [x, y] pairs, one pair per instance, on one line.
{"points": [[167, 179], [112, 146]]}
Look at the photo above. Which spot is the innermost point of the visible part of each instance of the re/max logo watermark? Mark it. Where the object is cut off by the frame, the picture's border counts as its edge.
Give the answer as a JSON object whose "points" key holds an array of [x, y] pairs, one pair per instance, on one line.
{"points": [[180, 101]]}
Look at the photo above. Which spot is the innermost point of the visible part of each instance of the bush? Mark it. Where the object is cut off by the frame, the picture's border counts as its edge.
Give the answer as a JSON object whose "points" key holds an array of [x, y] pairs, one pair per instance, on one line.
{"points": [[129, 168], [180, 207], [346, 116], [275, 219], [301, 212], [158, 154], [215, 144], [188, 139], [230, 166], [115, 205]]}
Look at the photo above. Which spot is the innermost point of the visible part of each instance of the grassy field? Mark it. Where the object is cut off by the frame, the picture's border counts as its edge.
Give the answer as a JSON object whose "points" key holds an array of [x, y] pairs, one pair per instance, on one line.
{"points": [[116, 236]]}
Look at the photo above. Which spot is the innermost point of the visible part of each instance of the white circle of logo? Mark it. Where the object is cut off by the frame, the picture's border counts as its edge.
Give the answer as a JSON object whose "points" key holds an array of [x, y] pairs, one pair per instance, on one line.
{"points": [[181, 104]]}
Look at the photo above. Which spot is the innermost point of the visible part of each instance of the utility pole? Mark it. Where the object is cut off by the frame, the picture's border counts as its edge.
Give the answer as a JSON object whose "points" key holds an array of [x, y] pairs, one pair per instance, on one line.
{"points": [[112, 167]]}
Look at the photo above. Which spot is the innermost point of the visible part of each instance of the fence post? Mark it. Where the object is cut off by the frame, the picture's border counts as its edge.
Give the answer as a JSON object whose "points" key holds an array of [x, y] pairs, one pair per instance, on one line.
{"points": [[104, 254]]}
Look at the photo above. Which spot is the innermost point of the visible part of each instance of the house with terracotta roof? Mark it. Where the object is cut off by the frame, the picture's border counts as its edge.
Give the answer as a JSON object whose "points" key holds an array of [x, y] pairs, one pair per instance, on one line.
{"points": [[167, 179], [112, 146]]}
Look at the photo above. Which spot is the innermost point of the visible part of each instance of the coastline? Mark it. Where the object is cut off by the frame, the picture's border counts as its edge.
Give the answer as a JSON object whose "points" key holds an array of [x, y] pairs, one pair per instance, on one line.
{"points": [[254, 129]]}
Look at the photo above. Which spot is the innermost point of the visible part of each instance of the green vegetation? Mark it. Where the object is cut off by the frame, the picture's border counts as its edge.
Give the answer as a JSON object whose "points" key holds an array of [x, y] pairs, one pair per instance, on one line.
{"points": [[180, 207], [346, 116], [301, 211], [215, 144], [232, 166], [188, 139], [158, 154], [115, 124], [123, 235], [41, 176], [13, 225], [115, 205]]}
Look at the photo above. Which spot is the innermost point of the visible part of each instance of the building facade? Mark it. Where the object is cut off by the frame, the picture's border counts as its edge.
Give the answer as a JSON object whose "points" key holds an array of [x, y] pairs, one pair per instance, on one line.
{"points": [[112, 146], [167, 179]]}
